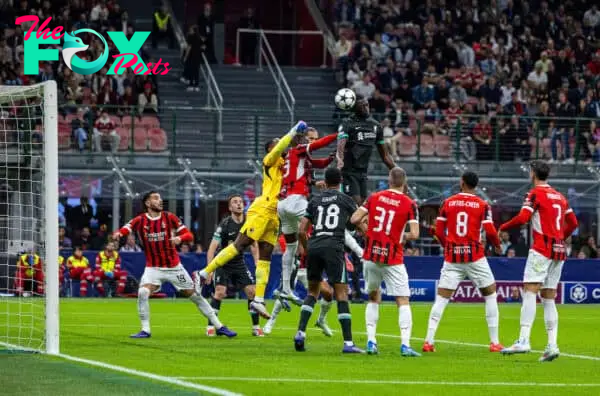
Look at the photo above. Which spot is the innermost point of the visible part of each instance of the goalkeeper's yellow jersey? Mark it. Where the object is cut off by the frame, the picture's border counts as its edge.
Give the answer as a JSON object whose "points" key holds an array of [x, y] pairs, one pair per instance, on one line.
{"points": [[272, 176]]}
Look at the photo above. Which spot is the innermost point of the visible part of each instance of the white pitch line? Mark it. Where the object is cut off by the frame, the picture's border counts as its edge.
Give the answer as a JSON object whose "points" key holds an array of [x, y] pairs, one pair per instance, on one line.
{"points": [[155, 377], [393, 382], [161, 378]]}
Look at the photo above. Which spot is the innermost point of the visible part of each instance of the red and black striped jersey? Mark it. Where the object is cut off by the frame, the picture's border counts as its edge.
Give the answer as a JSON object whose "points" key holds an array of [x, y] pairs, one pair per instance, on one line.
{"points": [[459, 225], [389, 213], [155, 234], [552, 221]]}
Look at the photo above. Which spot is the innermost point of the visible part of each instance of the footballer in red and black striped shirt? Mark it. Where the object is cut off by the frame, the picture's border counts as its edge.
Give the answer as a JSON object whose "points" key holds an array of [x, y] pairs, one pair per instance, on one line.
{"points": [[160, 232], [458, 228]]}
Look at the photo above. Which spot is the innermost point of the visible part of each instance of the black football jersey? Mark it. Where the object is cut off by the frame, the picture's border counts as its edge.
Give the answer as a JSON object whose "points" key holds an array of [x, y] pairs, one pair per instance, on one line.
{"points": [[330, 213], [362, 135]]}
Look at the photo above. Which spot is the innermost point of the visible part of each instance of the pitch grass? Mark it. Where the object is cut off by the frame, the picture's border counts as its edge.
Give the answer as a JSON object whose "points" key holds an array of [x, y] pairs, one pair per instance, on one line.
{"points": [[98, 329]]}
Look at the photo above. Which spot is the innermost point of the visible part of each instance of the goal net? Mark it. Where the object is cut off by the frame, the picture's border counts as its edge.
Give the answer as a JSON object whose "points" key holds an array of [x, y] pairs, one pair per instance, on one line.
{"points": [[29, 218]]}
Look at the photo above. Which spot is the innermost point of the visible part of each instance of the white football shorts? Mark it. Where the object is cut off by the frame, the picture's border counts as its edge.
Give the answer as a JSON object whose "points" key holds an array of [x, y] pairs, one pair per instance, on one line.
{"points": [[177, 276], [541, 269], [479, 272], [290, 211], [395, 278]]}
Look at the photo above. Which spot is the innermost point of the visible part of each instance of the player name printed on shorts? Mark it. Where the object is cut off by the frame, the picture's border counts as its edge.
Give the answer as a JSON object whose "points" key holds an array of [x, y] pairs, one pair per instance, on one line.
{"points": [[420, 290], [582, 292], [467, 292]]}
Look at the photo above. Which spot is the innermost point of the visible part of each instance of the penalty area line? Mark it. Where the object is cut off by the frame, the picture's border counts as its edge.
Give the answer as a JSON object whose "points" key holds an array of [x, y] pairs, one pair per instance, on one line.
{"points": [[151, 376], [392, 382]]}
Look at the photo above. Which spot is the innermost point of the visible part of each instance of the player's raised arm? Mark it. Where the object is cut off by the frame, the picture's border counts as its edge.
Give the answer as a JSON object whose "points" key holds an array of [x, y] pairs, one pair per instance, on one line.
{"points": [[342, 138], [322, 163], [322, 142], [529, 206], [382, 150], [283, 143]]}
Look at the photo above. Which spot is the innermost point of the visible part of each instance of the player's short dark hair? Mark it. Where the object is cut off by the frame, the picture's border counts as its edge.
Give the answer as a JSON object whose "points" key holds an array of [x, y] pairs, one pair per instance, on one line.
{"points": [[470, 179], [540, 169], [77, 248], [270, 142], [147, 196], [333, 176], [229, 198]]}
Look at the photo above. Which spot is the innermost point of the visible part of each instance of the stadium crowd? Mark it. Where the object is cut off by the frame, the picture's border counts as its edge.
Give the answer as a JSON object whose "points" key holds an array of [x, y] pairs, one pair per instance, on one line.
{"points": [[496, 71], [85, 96]]}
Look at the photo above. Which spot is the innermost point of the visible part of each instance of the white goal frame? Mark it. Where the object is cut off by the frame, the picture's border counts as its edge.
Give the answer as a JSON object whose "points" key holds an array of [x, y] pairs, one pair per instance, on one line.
{"points": [[50, 191]]}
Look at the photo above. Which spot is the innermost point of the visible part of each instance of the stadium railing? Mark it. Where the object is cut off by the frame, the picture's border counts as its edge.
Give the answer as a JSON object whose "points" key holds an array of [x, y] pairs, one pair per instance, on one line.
{"points": [[469, 138], [214, 98], [416, 137]]}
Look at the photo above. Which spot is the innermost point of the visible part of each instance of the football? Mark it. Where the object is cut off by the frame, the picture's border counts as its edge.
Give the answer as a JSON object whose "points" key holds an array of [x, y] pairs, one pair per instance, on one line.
{"points": [[345, 99]]}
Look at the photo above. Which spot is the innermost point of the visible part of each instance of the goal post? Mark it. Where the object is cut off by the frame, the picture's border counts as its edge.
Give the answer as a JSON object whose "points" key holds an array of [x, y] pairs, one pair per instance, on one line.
{"points": [[29, 293]]}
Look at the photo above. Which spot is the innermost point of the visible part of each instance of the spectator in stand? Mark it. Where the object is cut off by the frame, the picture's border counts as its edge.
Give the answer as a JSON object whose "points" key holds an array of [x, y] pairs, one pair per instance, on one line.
{"points": [[422, 95], [105, 128], [248, 41], [81, 215], [537, 78], [130, 245], [482, 135], [192, 58], [590, 249], [64, 242], [458, 93], [162, 27], [147, 100], [354, 74], [378, 103], [365, 87], [206, 28], [562, 132], [198, 248]]}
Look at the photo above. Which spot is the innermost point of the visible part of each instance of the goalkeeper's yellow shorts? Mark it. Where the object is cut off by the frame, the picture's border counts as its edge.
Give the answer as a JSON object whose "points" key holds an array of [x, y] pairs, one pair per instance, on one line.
{"points": [[262, 225]]}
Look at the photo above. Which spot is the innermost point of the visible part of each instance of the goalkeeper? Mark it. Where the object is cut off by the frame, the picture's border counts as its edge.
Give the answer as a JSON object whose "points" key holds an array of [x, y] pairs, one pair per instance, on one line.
{"points": [[262, 222]]}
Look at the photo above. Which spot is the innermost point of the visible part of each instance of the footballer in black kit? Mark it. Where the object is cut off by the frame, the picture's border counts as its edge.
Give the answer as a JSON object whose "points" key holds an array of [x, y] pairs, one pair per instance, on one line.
{"points": [[328, 213], [357, 135], [235, 272]]}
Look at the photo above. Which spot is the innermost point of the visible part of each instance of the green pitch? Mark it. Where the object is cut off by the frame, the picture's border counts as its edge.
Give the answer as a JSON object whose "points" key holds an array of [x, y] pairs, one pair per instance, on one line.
{"points": [[98, 329]]}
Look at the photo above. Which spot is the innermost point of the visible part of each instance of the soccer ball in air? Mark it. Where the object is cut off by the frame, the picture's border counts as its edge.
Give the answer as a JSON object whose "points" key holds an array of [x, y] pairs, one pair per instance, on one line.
{"points": [[345, 99]]}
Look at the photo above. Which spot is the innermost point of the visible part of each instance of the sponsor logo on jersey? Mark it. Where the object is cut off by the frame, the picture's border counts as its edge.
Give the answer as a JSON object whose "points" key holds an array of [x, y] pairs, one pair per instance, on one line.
{"points": [[156, 236]]}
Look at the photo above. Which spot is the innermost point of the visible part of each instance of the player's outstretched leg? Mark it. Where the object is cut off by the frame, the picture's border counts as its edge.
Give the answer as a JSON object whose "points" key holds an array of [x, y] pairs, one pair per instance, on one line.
{"points": [[271, 322], [437, 311], [527, 317], [144, 310], [263, 269], [551, 321], [205, 308], [325, 303], [215, 304], [256, 330]]}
